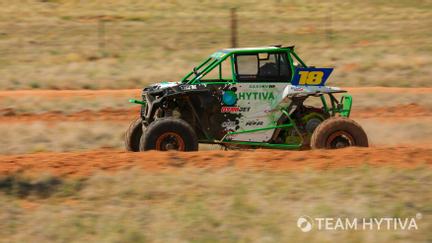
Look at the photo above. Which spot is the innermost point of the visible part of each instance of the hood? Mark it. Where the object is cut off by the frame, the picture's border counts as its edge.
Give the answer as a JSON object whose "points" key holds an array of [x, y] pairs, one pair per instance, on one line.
{"points": [[161, 85]]}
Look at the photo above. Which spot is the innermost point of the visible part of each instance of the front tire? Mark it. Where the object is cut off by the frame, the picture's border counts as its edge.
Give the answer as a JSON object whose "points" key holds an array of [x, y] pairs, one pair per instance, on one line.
{"points": [[169, 134], [338, 132], [133, 135]]}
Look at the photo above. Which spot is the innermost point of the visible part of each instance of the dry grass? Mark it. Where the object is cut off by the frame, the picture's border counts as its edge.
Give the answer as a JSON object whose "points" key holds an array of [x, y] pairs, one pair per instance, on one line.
{"points": [[35, 105], [62, 136], [408, 132], [55, 44], [371, 100], [226, 205]]}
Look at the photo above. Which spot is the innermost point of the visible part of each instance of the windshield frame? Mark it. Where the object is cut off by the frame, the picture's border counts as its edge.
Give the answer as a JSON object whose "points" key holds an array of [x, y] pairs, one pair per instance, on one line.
{"points": [[205, 67]]}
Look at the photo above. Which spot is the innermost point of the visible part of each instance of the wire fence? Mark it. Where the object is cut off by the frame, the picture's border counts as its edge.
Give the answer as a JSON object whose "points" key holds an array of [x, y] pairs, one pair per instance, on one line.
{"points": [[105, 36]]}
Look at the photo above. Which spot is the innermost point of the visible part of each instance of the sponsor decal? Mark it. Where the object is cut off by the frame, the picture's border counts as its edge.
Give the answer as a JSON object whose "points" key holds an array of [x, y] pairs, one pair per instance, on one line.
{"points": [[245, 109], [188, 87], [234, 109], [311, 76], [254, 123], [271, 110], [297, 88], [229, 123], [229, 97], [256, 96], [263, 86], [228, 109]]}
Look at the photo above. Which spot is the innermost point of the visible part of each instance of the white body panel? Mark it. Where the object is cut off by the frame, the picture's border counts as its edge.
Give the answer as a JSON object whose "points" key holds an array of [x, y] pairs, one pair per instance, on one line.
{"points": [[261, 103]]}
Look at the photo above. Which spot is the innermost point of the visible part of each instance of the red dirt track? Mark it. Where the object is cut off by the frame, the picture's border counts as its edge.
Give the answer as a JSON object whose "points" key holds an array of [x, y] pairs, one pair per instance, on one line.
{"points": [[80, 164]]}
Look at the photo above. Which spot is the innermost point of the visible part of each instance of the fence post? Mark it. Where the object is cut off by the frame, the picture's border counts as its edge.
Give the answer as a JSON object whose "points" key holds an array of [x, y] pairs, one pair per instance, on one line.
{"points": [[233, 27]]}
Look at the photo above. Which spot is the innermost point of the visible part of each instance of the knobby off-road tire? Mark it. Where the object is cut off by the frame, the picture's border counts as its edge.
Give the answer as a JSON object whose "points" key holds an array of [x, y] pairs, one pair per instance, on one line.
{"points": [[169, 134], [133, 135], [338, 132]]}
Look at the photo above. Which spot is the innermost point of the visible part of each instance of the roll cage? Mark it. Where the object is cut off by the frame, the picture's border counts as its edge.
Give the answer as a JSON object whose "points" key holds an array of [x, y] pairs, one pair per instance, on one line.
{"points": [[217, 58]]}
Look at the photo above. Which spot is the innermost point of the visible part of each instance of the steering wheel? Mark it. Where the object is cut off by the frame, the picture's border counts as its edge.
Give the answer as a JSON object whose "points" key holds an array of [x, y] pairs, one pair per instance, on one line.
{"points": [[268, 69]]}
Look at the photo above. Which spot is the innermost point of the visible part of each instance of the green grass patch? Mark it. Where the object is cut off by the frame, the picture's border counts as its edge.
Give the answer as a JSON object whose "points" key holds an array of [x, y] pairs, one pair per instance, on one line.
{"points": [[20, 186]]}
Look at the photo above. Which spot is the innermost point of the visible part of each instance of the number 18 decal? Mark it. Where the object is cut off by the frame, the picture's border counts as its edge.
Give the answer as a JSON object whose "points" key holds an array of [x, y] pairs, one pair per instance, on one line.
{"points": [[311, 76]]}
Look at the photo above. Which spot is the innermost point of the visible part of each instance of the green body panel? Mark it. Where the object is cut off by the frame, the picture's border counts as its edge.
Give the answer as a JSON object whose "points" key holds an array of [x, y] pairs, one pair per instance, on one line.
{"points": [[261, 129], [346, 102], [134, 101]]}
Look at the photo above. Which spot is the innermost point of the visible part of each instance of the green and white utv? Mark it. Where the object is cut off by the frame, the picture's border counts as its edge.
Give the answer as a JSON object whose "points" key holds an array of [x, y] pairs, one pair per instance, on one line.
{"points": [[260, 97]]}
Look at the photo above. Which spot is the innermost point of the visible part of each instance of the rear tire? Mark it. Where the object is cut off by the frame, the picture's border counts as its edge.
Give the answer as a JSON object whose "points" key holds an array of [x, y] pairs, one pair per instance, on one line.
{"points": [[338, 132], [133, 135], [169, 134]]}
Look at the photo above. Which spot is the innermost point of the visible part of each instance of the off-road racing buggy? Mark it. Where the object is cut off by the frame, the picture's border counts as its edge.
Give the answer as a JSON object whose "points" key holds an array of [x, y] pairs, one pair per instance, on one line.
{"points": [[261, 97]]}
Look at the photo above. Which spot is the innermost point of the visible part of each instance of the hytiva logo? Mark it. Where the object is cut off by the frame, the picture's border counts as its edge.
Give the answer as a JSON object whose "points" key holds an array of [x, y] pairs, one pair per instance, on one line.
{"points": [[256, 96], [229, 97]]}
